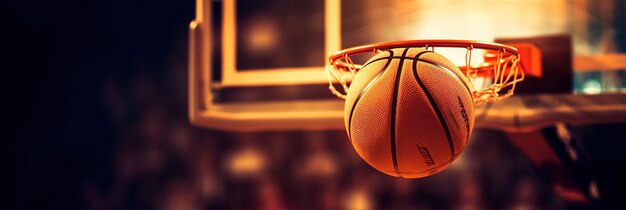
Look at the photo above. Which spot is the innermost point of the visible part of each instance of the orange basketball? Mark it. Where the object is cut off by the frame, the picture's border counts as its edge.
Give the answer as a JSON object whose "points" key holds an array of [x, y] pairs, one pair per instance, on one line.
{"points": [[409, 112]]}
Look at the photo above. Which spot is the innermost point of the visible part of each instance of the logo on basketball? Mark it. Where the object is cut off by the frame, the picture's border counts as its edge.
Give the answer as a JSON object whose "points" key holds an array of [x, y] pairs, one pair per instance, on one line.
{"points": [[426, 155], [465, 118]]}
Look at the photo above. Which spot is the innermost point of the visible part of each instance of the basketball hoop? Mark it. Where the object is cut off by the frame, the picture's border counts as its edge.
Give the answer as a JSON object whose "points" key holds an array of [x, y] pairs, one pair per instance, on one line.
{"points": [[499, 73]]}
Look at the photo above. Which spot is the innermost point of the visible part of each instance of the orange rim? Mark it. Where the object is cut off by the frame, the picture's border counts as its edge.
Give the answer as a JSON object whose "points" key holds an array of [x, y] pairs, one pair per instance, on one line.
{"points": [[492, 48], [500, 65]]}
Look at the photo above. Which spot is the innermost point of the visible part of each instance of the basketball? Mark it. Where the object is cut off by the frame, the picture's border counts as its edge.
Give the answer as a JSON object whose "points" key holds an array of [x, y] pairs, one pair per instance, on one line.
{"points": [[409, 112]]}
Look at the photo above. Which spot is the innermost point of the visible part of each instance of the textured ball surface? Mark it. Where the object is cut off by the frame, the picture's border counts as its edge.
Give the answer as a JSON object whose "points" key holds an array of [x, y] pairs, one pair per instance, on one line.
{"points": [[409, 112]]}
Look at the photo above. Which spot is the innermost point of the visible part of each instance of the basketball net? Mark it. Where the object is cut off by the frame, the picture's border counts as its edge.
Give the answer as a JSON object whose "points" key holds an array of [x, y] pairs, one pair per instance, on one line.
{"points": [[493, 80]]}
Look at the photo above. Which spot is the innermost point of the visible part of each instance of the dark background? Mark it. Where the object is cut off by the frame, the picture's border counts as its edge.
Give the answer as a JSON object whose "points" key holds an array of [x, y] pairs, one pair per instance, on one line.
{"points": [[62, 56]]}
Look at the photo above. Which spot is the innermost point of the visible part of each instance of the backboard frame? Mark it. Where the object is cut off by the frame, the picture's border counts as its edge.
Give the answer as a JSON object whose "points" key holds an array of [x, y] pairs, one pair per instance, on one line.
{"points": [[231, 76], [204, 112]]}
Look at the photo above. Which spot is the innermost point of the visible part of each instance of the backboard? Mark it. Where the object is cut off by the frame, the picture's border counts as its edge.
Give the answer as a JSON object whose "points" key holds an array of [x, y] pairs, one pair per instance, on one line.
{"points": [[273, 62], [260, 65]]}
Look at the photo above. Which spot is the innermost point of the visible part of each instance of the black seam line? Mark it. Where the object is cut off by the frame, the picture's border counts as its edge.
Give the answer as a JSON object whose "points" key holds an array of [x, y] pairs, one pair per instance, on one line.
{"points": [[432, 63], [363, 92], [456, 122], [388, 57], [433, 104], [394, 103], [451, 72]]}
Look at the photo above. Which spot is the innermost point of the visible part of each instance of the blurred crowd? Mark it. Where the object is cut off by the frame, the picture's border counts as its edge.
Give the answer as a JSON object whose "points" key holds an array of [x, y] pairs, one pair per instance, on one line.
{"points": [[160, 161]]}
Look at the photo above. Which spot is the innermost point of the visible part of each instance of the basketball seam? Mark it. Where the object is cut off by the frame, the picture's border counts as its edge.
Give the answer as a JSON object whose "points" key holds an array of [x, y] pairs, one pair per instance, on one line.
{"points": [[394, 103], [377, 59], [456, 122], [426, 61], [365, 90], [451, 72], [434, 105]]}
